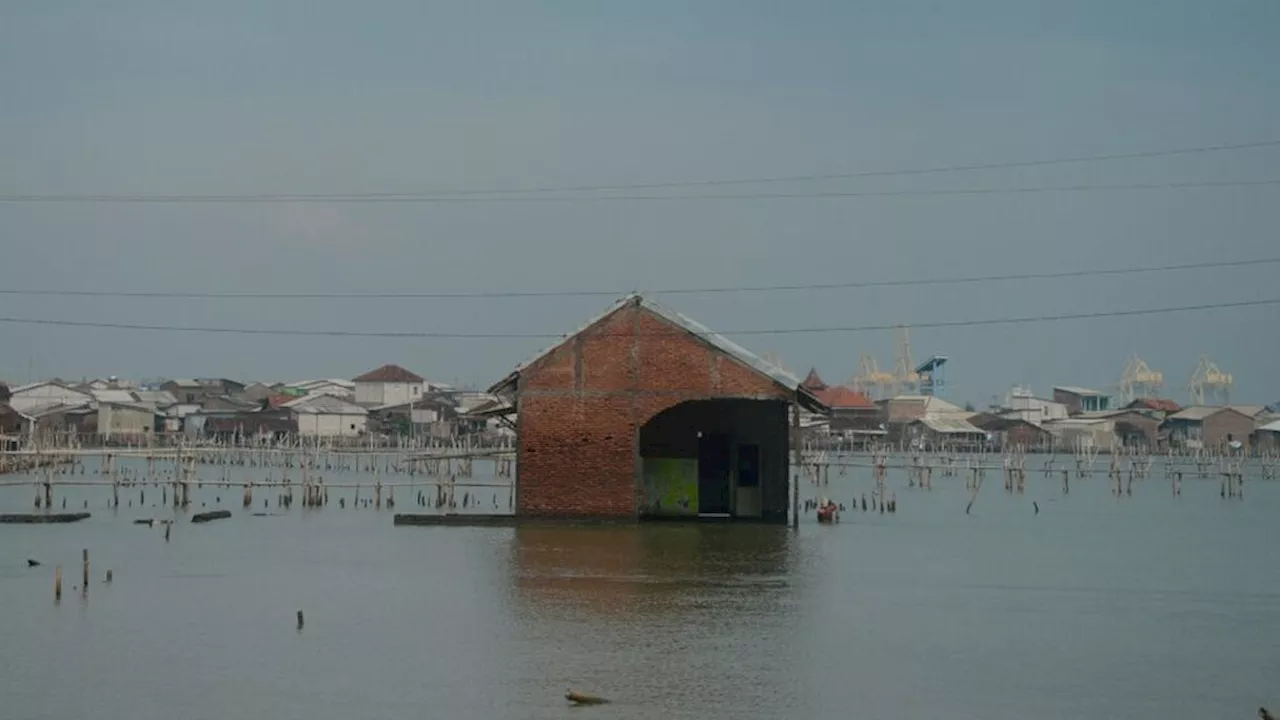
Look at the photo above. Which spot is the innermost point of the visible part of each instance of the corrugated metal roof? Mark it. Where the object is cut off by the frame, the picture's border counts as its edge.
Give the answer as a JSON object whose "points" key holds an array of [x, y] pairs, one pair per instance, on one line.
{"points": [[950, 425], [1273, 426], [1197, 412], [324, 404], [113, 396], [720, 342], [1077, 390]]}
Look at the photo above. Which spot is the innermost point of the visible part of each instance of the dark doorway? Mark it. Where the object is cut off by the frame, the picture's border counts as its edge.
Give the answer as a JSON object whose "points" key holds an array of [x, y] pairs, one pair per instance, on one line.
{"points": [[748, 466], [713, 474]]}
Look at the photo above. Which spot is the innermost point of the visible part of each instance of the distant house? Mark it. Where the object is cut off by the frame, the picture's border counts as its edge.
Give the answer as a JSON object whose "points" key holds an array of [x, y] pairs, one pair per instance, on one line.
{"points": [[251, 427], [5, 394], [56, 421], [1083, 432], [46, 393], [951, 432], [326, 416], [850, 410], [1209, 427], [196, 390], [125, 421], [1081, 400], [1267, 437], [1011, 432], [338, 388], [1157, 407], [1023, 405], [388, 385]]}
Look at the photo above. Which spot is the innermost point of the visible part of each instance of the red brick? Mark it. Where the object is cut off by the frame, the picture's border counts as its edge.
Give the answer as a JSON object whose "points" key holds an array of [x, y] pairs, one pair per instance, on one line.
{"points": [[582, 405]]}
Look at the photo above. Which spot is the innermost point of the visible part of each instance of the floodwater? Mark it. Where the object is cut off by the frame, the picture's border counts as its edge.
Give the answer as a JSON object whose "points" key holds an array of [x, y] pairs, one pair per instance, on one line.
{"points": [[1150, 606]]}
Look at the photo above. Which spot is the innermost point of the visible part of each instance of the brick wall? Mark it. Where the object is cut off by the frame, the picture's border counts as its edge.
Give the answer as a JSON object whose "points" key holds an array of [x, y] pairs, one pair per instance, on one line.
{"points": [[581, 406]]}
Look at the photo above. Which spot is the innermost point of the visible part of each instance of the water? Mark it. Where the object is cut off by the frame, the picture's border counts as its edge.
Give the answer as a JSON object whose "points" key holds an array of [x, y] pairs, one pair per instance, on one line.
{"points": [[1138, 607]]}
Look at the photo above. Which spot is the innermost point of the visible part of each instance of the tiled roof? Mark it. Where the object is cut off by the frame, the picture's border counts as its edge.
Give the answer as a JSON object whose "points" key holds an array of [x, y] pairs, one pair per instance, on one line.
{"points": [[813, 382], [390, 374], [843, 398], [1157, 404]]}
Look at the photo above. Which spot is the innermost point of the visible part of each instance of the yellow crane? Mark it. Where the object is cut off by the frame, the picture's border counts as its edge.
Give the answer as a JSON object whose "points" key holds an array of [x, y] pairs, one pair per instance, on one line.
{"points": [[905, 376], [872, 381], [1209, 385], [1139, 381]]}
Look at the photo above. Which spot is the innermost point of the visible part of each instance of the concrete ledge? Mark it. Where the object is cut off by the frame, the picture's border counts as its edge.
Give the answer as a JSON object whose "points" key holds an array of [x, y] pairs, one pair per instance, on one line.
{"points": [[42, 518], [479, 520]]}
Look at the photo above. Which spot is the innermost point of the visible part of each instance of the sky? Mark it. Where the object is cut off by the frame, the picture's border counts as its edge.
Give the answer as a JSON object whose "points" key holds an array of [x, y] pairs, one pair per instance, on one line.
{"points": [[319, 96]]}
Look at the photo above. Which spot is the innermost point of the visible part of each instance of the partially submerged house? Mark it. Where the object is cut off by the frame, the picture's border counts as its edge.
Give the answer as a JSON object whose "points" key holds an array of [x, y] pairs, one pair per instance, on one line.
{"points": [[1209, 427], [326, 416], [646, 413], [1005, 432], [944, 432]]}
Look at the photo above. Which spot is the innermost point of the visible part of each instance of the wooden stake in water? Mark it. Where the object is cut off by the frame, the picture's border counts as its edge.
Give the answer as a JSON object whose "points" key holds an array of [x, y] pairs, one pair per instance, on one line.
{"points": [[85, 584], [57, 584], [300, 622]]}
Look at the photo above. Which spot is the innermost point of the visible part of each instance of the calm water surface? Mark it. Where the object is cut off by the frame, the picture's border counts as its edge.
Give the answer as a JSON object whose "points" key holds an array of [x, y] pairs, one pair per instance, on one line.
{"points": [[1099, 607]]}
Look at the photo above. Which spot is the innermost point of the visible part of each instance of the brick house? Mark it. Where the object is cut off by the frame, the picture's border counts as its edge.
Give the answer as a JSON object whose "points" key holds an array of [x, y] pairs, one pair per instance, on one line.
{"points": [[644, 413]]}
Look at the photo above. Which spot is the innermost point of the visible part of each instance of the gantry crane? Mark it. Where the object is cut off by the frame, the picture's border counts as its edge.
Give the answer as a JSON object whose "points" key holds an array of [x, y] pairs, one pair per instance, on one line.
{"points": [[873, 382], [1138, 381], [1209, 385]]}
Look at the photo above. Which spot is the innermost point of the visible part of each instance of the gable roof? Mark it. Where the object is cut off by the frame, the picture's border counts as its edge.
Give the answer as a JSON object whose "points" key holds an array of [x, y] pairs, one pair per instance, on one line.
{"points": [[693, 327], [1200, 412], [813, 382], [949, 425], [390, 373], [324, 405]]}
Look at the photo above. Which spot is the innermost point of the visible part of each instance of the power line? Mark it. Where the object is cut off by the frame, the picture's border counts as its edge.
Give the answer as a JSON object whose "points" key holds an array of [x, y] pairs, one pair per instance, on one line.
{"points": [[292, 332], [402, 197], [408, 198], [897, 282]]}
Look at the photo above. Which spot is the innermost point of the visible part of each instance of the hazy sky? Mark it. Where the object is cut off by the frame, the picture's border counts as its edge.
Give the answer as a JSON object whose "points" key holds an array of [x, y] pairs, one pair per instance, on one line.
{"points": [[246, 96]]}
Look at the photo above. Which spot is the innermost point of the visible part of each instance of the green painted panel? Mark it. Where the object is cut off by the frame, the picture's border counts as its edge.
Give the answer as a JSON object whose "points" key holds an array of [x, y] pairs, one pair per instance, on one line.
{"points": [[670, 486]]}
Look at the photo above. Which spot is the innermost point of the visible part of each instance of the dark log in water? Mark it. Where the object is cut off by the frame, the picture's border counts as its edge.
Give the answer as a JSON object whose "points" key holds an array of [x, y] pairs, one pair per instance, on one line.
{"points": [[36, 518], [211, 515], [578, 698]]}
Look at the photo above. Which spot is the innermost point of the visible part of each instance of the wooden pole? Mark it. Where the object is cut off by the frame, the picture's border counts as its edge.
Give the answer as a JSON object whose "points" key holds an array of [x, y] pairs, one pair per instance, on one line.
{"points": [[57, 584], [85, 584], [795, 471]]}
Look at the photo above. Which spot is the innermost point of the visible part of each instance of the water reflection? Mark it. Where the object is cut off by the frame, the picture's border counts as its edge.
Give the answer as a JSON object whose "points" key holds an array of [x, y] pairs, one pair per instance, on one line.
{"points": [[657, 567], [648, 614]]}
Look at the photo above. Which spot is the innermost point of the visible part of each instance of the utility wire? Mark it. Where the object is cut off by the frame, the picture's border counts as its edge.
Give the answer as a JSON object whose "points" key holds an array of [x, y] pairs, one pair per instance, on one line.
{"points": [[382, 196], [898, 282], [293, 332], [408, 198]]}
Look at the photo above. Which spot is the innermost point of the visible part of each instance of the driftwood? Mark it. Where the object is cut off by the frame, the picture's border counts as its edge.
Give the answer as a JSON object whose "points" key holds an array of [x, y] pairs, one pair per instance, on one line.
{"points": [[578, 698], [39, 518], [211, 515]]}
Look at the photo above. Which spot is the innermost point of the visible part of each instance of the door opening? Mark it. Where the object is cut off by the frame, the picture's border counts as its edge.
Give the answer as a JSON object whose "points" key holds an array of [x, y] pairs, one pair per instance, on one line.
{"points": [[713, 475]]}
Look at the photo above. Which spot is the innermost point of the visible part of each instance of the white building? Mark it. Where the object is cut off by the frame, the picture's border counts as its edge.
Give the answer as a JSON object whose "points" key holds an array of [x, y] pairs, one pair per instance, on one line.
{"points": [[389, 385], [328, 416], [1023, 405]]}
